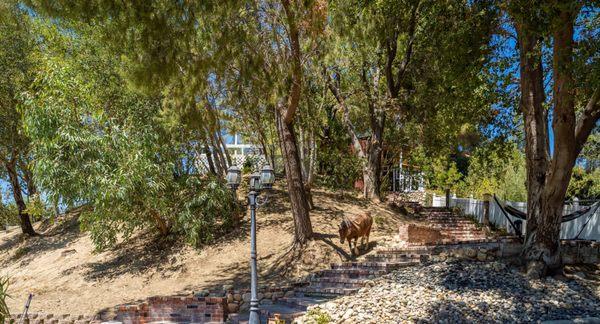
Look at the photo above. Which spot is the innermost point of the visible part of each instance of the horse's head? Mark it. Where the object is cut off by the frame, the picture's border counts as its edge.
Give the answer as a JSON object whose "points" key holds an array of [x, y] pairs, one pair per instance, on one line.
{"points": [[343, 230]]}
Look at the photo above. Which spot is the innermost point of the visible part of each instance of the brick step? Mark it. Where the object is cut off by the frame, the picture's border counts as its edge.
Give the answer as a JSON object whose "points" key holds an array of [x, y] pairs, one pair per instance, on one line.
{"points": [[447, 220], [338, 280], [440, 215], [393, 257], [386, 266], [463, 238], [337, 285], [350, 273], [436, 209], [451, 221], [451, 217], [458, 228], [302, 302], [327, 292], [404, 250], [425, 248], [462, 231]]}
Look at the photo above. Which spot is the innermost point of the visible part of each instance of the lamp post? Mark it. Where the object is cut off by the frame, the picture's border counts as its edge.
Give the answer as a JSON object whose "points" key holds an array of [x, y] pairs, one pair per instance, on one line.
{"points": [[258, 181]]}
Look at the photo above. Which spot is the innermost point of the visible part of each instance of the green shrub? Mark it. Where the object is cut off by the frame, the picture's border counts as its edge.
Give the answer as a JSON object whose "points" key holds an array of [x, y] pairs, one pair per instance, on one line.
{"points": [[339, 171], [319, 316], [9, 215], [37, 209], [209, 209], [251, 164]]}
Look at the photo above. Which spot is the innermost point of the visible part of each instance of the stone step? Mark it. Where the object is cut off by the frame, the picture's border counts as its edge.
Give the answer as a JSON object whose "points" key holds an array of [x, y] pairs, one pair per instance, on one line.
{"points": [[301, 301], [436, 209], [350, 273], [450, 221], [463, 238], [459, 229], [284, 312], [327, 292], [338, 281], [455, 231], [449, 217], [339, 285], [386, 266], [393, 257]]}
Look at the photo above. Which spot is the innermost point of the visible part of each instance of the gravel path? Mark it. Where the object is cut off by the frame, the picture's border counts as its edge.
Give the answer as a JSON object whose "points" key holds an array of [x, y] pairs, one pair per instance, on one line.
{"points": [[463, 292]]}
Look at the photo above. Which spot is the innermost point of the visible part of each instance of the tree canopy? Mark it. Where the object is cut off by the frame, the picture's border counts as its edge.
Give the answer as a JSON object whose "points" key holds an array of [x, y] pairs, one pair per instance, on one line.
{"points": [[126, 107]]}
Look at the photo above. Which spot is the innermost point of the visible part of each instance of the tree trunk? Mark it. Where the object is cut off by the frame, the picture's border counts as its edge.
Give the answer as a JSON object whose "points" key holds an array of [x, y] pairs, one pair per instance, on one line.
{"points": [[26, 226], [217, 153], [161, 224], [372, 181], [310, 177], [28, 177], [209, 159], [224, 147], [293, 172], [548, 179]]}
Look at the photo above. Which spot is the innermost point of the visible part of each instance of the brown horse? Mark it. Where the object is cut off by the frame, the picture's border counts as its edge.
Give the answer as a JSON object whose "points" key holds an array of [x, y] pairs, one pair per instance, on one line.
{"points": [[353, 227]]}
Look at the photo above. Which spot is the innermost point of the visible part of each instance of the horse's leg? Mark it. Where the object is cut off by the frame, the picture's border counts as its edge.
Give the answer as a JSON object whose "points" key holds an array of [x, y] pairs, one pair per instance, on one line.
{"points": [[350, 246], [356, 245]]}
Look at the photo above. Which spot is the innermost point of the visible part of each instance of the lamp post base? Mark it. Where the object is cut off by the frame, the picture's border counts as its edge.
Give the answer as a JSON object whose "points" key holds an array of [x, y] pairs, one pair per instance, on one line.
{"points": [[254, 313]]}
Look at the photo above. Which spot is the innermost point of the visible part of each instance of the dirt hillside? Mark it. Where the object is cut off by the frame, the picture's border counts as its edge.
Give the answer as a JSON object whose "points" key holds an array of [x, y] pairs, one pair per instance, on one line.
{"points": [[65, 275]]}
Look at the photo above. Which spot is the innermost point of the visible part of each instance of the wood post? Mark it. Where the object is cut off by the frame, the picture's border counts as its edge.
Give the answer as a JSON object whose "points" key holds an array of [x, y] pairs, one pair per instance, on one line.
{"points": [[486, 210]]}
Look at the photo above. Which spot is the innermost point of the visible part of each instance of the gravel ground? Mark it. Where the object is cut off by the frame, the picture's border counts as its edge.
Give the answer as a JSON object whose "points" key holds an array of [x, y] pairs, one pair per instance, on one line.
{"points": [[463, 292]]}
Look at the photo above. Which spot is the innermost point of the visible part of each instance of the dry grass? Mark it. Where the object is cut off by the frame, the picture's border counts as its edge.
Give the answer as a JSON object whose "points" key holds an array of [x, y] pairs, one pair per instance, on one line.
{"points": [[65, 275]]}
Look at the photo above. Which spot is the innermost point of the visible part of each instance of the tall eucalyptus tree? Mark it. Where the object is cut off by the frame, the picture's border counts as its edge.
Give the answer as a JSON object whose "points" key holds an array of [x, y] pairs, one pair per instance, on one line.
{"points": [[574, 108], [16, 72], [186, 46]]}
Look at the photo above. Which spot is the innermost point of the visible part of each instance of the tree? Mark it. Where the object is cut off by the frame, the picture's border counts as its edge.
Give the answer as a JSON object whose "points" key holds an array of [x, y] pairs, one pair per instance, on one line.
{"points": [[97, 142], [575, 110], [15, 74], [413, 62], [190, 45]]}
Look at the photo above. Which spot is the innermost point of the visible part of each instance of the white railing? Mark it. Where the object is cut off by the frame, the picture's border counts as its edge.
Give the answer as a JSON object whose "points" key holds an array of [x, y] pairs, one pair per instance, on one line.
{"points": [[237, 159], [407, 181], [569, 230]]}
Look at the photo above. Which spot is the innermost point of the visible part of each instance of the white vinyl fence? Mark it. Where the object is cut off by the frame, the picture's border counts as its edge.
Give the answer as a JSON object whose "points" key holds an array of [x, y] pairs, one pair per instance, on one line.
{"points": [[569, 230]]}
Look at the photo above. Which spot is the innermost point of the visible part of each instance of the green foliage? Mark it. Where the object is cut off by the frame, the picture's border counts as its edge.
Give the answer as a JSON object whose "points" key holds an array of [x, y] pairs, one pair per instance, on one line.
{"points": [[4, 311], [584, 184], [15, 75], [499, 169], [251, 164], [208, 210], [318, 316], [96, 141], [37, 209], [9, 215], [591, 151], [443, 174], [339, 169]]}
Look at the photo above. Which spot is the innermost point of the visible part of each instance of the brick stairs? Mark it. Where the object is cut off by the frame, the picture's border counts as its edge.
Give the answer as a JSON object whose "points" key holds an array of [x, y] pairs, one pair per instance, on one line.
{"points": [[346, 278], [454, 227]]}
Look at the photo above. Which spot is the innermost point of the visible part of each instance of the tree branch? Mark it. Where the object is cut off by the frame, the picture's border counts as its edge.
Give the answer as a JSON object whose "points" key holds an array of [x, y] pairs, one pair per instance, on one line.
{"points": [[294, 95], [346, 115], [409, 46], [391, 47], [588, 119]]}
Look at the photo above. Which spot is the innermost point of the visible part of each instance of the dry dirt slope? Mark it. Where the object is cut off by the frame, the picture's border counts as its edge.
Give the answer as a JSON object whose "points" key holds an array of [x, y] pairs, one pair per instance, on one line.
{"points": [[66, 276]]}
